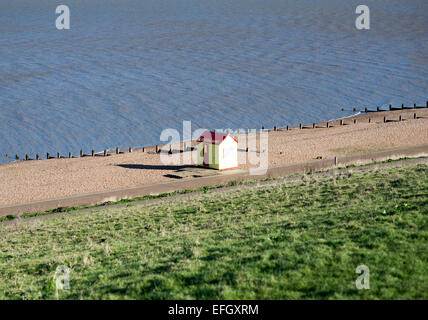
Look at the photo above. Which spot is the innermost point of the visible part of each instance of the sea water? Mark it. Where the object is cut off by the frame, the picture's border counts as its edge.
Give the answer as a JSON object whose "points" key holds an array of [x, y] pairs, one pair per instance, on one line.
{"points": [[128, 69]]}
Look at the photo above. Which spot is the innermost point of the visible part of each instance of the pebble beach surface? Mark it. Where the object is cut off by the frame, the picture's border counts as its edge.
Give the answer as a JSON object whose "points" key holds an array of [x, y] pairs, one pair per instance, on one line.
{"points": [[26, 181]]}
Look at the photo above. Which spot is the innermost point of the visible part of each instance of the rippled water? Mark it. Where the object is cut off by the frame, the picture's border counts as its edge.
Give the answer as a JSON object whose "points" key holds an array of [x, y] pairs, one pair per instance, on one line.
{"points": [[129, 69]]}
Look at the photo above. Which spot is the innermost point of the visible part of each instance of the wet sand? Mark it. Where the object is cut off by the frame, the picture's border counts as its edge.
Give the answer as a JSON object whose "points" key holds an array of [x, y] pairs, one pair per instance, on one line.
{"points": [[26, 181]]}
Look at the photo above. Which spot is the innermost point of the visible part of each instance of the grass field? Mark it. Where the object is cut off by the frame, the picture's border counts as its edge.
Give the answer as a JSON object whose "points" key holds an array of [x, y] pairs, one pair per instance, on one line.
{"points": [[289, 241]]}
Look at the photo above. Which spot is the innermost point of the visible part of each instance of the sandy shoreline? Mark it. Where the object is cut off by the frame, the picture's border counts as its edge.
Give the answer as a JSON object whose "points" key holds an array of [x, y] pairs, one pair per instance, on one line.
{"points": [[26, 181]]}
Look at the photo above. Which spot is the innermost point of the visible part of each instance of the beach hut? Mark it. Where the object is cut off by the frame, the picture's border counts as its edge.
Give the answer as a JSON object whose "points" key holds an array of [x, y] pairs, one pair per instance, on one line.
{"points": [[217, 150]]}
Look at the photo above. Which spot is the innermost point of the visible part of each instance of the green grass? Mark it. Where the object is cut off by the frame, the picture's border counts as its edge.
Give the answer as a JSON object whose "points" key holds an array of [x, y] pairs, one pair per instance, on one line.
{"points": [[288, 241], [126, 200], [7, 218]]}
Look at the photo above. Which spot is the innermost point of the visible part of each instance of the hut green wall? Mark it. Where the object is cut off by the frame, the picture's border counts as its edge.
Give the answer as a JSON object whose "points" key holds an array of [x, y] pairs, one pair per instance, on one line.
{"points": [[214, 155]]}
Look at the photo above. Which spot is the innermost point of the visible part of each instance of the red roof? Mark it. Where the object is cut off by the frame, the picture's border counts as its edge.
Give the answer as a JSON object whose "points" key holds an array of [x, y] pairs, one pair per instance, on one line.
{"points": [[214, 137]]}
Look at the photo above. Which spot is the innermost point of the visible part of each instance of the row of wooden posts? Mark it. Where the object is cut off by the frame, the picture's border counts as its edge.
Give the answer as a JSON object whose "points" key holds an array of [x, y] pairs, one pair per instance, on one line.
{"points": [[342, 122], [391, 108], [366, 110], [93, 153], [275, 128], [70, 154]]}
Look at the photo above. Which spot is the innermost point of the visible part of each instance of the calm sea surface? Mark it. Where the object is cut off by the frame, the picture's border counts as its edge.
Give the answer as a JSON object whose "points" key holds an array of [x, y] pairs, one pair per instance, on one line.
{"points": [[128, 69]]}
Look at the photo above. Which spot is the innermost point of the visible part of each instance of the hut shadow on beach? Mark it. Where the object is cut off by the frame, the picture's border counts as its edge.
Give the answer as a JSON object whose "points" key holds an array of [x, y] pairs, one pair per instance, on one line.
{"points": [[155, 167], [178, 172]]}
